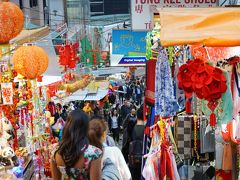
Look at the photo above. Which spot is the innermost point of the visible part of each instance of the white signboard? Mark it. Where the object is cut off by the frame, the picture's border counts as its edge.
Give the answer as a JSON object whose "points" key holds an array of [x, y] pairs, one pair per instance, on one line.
{"points": [[142, 13]]}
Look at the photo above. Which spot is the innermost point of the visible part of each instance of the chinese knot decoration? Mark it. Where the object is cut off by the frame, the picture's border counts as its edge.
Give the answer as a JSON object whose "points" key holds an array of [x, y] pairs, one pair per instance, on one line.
{"points": [[68, 55], [30, 61], [205, 81], [11, 21]]}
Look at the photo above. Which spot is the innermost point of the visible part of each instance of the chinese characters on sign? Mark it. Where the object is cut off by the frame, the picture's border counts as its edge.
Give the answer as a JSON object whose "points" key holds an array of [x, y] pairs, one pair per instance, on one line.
{"points": [[7, 93], [141, 9]]}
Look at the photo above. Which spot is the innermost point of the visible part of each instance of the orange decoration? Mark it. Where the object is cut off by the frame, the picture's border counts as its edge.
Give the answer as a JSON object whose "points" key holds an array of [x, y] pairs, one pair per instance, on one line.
{"points": [[30, 61], [11, 21]]}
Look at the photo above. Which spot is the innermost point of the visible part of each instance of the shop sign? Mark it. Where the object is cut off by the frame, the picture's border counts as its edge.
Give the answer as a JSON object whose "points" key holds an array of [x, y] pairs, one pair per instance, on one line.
{"points": [[141, 10], [128, 48], [125, 41], [133, 60]]}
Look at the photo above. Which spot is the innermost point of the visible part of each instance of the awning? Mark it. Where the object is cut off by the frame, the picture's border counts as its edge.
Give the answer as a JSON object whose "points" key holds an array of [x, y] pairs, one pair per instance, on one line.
{"points": [[96, 97], [77, 96], [32, 35], [210, 26]]}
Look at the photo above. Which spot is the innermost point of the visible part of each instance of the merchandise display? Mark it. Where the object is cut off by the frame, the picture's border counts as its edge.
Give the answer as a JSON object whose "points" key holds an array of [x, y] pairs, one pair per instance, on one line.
{"points": [[204, 144], [172, 104]]}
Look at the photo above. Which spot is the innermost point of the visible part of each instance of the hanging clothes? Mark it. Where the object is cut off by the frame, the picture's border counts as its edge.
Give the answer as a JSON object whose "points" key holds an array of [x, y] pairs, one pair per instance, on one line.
{"points": [[165, 102], [236, 95], [160, 163]]}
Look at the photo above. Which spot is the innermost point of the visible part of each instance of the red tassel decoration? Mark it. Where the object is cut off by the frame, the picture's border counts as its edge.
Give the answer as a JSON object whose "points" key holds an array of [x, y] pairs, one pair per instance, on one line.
{"points": [[213, 120], [188, 106]]}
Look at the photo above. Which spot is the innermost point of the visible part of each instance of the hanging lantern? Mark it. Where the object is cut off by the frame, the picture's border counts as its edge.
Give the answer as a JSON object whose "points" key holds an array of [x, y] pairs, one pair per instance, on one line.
{"points": [[104, 56], [11, 21], [30, 61]]}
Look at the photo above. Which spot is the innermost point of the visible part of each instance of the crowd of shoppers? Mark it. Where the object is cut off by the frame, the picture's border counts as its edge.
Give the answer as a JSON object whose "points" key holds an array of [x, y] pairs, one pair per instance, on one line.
{"points": [[100, 142]]}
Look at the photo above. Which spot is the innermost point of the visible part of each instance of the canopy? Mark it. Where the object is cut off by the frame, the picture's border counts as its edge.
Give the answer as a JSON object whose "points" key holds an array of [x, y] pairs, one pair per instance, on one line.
{"points": [[210, 26], [77, 96], [97, 96]]}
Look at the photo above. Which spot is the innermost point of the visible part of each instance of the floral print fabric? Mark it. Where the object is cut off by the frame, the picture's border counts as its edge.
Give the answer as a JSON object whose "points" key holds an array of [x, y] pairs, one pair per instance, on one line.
{"points": [[91, 153], [165, 102]]}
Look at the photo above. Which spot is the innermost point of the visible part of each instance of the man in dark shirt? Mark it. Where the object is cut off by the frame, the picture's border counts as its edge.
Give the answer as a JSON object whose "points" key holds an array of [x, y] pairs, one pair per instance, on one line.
{"points": [[136, 134]]}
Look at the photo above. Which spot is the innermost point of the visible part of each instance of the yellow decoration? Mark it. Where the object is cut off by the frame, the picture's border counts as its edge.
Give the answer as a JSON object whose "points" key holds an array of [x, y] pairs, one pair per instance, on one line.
{"points": [[71, 88], [51, 120], [30, 61]]}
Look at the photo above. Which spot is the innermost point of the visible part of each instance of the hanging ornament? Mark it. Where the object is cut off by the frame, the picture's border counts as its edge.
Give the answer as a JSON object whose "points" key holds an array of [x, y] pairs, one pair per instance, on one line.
{"points": [[30, 61], [11, 21], [205, 81]]}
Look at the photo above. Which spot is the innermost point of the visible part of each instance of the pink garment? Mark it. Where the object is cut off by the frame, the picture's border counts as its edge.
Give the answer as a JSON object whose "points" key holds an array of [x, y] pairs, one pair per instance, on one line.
{"points": [[176, 174], [148, 170]]}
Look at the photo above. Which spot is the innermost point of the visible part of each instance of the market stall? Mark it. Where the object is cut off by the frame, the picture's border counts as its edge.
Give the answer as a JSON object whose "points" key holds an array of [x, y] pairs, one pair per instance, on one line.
{"points": [[193, 106], [24, 123]]}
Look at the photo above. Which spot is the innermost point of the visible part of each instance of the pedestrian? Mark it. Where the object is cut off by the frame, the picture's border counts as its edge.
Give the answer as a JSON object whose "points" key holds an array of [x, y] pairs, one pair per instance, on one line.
{"points": [[114, 124], [136, 145], [139, 94], [74, 157], [121, 94], [59, 121], [112, 98], [128, 125], [97, 136], [125, 110]]}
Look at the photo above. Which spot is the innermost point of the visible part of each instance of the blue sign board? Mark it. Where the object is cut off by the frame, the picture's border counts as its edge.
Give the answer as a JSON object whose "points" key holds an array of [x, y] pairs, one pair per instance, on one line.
{"points": [[126, 41], [133, 60]]}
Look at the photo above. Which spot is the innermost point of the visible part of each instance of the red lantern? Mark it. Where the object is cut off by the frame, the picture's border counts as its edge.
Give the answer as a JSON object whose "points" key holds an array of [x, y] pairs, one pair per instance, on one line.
{"points": [[11, 21], [94, 56]]}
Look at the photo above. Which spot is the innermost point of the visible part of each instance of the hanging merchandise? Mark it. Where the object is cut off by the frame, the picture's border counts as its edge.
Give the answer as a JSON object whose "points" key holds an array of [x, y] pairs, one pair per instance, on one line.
{"points": [[165, 102], [224, 109], [30, 61], [68, 55], [207, 82], [11, 21], [7, 93], [150, 84], [160, 163]]}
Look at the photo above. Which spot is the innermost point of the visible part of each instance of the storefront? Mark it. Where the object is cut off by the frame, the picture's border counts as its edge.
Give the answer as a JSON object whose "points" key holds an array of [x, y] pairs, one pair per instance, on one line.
{"points": [[193, 106]]}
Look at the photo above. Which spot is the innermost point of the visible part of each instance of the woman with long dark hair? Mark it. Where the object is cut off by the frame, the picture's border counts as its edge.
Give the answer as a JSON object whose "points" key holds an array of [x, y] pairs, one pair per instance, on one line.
{"points": [[75, 158]]}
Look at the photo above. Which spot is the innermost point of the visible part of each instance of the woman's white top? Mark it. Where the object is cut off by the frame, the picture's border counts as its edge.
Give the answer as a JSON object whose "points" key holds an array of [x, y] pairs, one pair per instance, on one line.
{"points": [[117, 158]]}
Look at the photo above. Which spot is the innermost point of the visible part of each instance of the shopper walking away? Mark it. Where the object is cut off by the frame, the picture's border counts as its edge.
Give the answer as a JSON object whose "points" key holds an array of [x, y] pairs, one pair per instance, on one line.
{"points": [[114, 124], [121, 94], [128, 125], [97, 136], [112, 98], [136, 146], [75, 158]]}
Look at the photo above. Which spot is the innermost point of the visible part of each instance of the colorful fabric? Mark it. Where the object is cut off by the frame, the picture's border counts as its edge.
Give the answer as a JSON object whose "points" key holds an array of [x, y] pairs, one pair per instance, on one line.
{"points": [[224, 109], [150, 84], [183, 136], [165, 102], [91, 153]]}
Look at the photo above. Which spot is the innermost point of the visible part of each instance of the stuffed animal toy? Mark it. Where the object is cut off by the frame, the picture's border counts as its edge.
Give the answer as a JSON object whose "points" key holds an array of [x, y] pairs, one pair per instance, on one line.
{"points": [[8, 132]]}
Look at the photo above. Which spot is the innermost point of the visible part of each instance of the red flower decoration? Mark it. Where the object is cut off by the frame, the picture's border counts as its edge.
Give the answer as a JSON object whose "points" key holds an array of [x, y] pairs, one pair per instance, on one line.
{"points": [[207, 82]]}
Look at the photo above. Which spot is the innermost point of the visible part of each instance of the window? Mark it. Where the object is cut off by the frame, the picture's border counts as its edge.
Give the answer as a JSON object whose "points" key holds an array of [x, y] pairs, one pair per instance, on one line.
{"points": [[33, 3]]}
